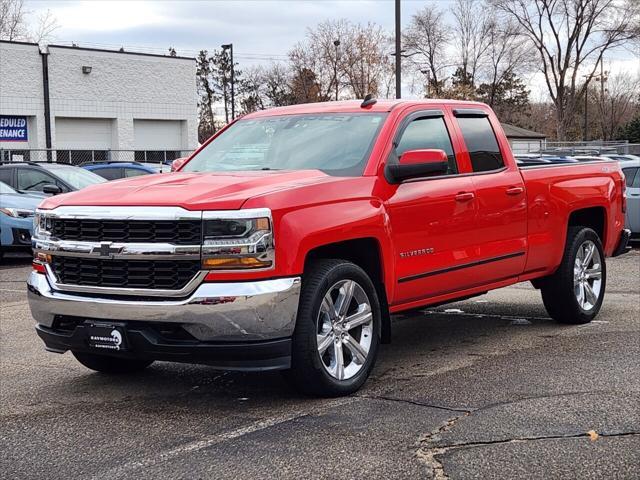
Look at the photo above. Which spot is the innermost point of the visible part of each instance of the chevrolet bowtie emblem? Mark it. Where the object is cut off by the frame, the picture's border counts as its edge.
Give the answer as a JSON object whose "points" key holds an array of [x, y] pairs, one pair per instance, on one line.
{"points": [[106, 249]]}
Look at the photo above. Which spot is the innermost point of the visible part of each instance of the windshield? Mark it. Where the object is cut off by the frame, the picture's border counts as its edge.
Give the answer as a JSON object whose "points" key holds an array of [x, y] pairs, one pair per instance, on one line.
{"points": [[335, 143], [4, 188], [76, 177]]}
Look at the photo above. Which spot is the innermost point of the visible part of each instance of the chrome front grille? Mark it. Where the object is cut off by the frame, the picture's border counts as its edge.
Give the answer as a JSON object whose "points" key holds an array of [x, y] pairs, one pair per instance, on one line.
{"points": [[180, 232], [139, 274], [140, 251]]}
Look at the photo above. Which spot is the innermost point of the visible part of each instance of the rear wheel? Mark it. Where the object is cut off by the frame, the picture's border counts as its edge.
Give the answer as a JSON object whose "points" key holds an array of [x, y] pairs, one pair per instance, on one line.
{"points": [[113, 365], [574, 294], [337, 334]]}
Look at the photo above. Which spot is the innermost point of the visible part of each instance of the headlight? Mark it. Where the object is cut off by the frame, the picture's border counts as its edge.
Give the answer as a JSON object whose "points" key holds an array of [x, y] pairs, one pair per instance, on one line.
{"points": [[43, 224], [240, 240], [17, 212]]}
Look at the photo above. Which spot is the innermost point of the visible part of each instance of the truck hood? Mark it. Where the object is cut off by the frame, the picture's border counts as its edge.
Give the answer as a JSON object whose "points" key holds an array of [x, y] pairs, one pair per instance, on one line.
{"points": [[191, 191]]}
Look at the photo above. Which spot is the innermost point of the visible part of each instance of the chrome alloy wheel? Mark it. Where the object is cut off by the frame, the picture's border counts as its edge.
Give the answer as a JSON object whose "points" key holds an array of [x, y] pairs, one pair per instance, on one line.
{"points": [[344, 329], [587, 275]]}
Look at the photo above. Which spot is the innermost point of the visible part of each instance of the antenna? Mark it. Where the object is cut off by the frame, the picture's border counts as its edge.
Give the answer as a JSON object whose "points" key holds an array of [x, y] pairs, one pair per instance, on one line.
{"points": [[368, 101]]}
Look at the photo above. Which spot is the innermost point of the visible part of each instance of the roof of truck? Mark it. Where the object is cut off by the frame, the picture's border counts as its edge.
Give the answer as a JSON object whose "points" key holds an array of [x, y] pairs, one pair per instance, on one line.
{"points": [[350, 106]]}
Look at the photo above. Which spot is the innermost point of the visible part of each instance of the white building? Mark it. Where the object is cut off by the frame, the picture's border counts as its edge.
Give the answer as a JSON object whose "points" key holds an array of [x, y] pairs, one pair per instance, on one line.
{"points": [[72, 99]]}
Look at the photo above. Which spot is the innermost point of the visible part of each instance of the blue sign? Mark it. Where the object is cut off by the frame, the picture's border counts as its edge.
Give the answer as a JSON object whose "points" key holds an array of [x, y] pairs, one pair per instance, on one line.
{"points": [[13, 128]]}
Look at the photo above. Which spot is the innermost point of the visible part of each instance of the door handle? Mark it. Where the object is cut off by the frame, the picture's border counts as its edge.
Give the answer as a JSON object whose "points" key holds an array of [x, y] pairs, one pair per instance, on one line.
{"points": [[515, 190], [465, 196]]}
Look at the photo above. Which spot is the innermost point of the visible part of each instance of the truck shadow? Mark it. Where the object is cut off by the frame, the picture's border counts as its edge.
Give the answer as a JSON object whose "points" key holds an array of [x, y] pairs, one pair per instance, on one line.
{"points": [[423, 343]]}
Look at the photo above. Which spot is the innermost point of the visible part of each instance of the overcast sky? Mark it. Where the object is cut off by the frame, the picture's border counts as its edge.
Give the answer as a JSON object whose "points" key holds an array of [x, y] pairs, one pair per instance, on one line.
{"points": [[259, 30]]}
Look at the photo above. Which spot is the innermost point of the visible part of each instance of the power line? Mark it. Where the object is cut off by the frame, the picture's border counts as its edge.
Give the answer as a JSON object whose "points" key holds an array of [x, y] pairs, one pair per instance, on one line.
{"points": [[180, 51]]}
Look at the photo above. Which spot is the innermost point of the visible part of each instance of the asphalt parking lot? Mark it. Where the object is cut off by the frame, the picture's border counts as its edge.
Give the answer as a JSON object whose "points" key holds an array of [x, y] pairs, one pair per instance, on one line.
{"points": [[486, 388]]}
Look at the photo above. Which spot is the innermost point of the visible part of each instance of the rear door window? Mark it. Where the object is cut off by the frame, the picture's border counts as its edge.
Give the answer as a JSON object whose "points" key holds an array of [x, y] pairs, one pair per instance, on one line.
{"points": [[481, 143], [427, 133], [630, 174]]}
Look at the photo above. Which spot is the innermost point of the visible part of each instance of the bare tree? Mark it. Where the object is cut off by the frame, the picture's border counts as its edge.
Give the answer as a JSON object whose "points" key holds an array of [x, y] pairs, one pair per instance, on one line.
{"points": [[426, 40], [319, 55], [507, 54], [251, 90], [13, 24], [364, 62], [46, 26], [276, 79], [570, 38], [617, 105], [206, 96], [337, 54], [472, 25]]}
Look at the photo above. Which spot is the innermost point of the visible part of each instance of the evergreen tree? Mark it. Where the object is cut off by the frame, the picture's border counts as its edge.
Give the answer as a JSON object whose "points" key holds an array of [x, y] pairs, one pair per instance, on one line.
{"points": [[630, 131]]}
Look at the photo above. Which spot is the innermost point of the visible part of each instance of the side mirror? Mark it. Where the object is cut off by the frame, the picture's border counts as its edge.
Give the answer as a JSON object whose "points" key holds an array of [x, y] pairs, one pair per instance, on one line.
{"points": [[418, 164], [177, 164], [51, 189]]}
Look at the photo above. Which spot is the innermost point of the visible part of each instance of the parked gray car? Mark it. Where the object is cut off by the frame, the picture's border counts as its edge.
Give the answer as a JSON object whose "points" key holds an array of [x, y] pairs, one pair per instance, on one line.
{"points": [[631, 171]]}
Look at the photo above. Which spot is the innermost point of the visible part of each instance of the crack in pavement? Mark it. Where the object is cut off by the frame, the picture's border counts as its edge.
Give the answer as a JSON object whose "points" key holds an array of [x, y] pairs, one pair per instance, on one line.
{"points": [[414, 402], [428, 455]]}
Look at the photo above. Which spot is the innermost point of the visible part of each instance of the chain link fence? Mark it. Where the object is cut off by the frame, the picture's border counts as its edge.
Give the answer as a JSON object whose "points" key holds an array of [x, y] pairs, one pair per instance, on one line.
{"points": [[81, 157], [593, 147]]}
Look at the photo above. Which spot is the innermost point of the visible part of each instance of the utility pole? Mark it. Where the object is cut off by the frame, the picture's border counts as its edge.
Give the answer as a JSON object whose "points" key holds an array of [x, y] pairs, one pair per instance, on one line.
{"points": [[398, 52], [229, 46], [427, 74], [585, 133], [585, 137], [602, 78], [336, 43]]}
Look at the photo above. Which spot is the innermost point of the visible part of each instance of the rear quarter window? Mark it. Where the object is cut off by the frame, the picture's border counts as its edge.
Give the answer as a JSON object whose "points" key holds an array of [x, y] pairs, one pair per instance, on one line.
{"points": [[109, 173], [481, 143]]}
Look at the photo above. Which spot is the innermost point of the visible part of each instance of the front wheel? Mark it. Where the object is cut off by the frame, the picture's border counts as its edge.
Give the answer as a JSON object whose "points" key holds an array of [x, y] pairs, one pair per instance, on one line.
{"points": [[337, 334], [112, 365], [574, 294]]}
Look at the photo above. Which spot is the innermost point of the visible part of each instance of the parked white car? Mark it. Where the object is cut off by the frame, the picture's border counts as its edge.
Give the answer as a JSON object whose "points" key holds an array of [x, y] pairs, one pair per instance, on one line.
{"points": [[631, 171]]}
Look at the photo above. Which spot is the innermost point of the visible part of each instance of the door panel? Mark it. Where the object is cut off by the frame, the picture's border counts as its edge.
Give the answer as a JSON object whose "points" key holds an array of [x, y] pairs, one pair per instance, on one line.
{"points": [[501, 224], [500, 235], [432, 232]]}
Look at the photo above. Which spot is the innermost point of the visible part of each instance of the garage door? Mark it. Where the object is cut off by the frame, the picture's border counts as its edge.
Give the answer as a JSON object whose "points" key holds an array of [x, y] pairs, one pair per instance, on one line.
{"points": [[157, 134], [84, 133]]}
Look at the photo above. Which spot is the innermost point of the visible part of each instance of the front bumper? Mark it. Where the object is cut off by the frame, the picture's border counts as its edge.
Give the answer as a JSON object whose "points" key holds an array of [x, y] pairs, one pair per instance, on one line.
{"points": [[147, 342], [214, 312], [15, 232], [623, 243]]}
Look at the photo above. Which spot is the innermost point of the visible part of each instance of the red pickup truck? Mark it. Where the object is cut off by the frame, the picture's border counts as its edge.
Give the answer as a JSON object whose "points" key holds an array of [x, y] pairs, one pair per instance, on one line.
{"points": [[290, 237]]}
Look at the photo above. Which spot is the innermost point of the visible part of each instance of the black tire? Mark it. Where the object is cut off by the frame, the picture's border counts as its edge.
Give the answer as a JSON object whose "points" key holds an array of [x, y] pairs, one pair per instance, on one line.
{"points": [[557, 290], [111, 365], [308, 373]]}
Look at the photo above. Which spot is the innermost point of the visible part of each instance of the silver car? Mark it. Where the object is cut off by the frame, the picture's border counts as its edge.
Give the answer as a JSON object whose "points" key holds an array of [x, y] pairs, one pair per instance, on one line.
{"points": [[631, 171]]}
